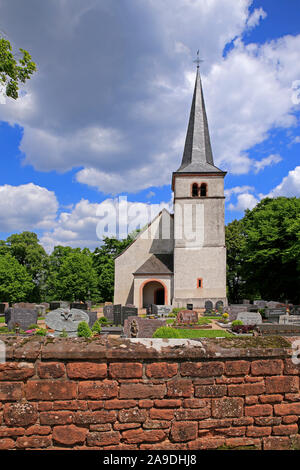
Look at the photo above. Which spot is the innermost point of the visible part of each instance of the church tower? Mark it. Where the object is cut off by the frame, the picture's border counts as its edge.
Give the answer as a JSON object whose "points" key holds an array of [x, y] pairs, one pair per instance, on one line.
{"points": [[199, 231]]}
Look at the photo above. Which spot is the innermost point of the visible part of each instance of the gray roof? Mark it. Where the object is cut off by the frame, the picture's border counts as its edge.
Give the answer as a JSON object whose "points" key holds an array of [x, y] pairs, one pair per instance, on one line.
{"points": [[197, 155], [157, 264]]}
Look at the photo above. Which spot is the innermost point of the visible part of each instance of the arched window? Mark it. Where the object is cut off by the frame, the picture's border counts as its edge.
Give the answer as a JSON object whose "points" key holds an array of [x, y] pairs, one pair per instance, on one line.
{"points": [[203, 190], [195, 190]]}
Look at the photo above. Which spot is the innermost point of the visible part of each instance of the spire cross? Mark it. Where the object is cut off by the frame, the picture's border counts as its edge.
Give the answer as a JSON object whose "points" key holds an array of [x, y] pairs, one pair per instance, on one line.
{"points": [[198, 60]]}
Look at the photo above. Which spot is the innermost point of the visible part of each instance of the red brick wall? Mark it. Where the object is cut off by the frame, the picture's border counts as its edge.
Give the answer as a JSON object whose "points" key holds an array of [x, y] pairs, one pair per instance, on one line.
{"points": [[94, 400]]}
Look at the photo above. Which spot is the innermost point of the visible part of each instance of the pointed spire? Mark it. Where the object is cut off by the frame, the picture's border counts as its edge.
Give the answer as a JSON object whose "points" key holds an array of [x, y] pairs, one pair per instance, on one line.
{"points": [[197, 156]]}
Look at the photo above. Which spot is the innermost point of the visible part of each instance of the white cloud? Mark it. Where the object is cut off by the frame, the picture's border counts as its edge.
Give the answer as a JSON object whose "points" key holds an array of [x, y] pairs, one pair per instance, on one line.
{"points": [[255, 18], [244, 201], [289, 186], [237, 190], [26, 207], [267, 161], [88, 222], [113, 98]]}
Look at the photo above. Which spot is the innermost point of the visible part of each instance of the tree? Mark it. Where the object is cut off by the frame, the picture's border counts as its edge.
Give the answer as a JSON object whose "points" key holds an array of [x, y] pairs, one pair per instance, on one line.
{"points": [[28, 252], [271, 253], [104, 263], [15, 282], [12, 70], [235, 241], [74, 277]]}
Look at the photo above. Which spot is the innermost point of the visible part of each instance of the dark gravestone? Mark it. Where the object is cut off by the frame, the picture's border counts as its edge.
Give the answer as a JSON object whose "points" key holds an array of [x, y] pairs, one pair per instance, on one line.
{"points": [[149, 309], [219, 305], [117, 315], [128, 312], [23, 317], [3, 306], [108, 312], [92, 318], [208, 306], [273, 314], [189, 306], [137, 327], [59, 304], [79, 305], [54, 305]]}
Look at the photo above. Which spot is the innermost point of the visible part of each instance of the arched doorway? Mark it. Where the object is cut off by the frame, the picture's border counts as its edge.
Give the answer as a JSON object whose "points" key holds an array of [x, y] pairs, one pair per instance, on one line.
{"points": [[153, 292]]}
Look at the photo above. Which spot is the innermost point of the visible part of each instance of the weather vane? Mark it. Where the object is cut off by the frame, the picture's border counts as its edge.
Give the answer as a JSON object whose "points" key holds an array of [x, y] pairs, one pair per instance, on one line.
{"points": [[198, 60]]}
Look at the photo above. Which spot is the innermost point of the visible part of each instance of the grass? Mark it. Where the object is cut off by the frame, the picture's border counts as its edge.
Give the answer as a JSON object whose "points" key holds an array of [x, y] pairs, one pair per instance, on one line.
{"points": [[2, 319], [204, 334]]}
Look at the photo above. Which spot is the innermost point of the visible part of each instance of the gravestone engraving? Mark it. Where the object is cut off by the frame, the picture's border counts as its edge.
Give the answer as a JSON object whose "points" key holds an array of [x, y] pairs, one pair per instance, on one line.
{"points": [[250, 318], [142, 327], [273, 314], [187, 316], [24, 317], [108, 312], [66, 320]]}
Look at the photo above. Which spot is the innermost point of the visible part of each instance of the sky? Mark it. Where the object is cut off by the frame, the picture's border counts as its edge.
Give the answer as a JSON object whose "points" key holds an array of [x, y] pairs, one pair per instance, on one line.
{"points": [[106, 114]]}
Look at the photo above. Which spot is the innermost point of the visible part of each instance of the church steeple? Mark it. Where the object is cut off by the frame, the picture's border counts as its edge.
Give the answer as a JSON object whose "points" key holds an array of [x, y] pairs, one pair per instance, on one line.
{"points": [[197, 155]]}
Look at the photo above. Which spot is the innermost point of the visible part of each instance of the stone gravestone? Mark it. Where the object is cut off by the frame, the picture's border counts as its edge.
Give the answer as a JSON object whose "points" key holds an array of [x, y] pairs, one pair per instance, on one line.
{"points": [[189, 306], [26, 305], [137, 327], [250, 318], [272, 329], [161, 310], [274, 314], [260, 303], [92, 317], [128, 312], [40, 310], [187, 316], [66, 319], [117, 315], [235, 309], [108, 312], [24, 317], [289, 320], [208, 306]]}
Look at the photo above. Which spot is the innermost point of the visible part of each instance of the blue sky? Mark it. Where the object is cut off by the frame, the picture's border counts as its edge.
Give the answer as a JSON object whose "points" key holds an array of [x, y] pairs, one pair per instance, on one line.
{"points": [[107, 112]]}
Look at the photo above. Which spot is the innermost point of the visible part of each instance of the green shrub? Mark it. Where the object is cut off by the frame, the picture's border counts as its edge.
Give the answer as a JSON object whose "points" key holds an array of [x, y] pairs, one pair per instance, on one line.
{"points": [[34, 326], [97, 327], [102, 320], [237, 323], [41, 332], [166, 332], [177, 309], [63, 334], [83, 330]]}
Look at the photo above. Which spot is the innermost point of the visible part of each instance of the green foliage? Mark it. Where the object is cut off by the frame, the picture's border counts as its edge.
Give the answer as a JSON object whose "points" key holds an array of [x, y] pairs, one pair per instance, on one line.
{"points": [[103, 320], [41, 332], [14, 71], [263, 252], [83, 330], [97, 326], [34, 326], [176, 310], [15, 282], [237, 323], [166, 332], [190, 334], [63, 334], [204, 321], [72, 275]]}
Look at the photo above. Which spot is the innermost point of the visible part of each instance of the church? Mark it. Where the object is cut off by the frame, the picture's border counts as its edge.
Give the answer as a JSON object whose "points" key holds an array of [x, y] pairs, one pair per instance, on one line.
{"points": [[180, 258]]}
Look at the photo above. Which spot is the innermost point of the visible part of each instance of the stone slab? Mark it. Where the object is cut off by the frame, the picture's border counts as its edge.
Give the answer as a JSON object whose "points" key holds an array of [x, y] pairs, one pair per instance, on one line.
{"points": [[250, 318]]}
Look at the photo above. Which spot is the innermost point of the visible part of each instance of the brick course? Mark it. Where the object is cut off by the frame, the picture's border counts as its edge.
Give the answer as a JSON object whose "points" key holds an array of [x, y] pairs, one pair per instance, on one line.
{"points": [[89, 397]]}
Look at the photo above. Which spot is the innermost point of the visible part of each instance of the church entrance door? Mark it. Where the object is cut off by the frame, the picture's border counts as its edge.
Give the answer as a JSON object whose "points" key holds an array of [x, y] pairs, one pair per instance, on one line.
{"points": [[153, 292]]}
